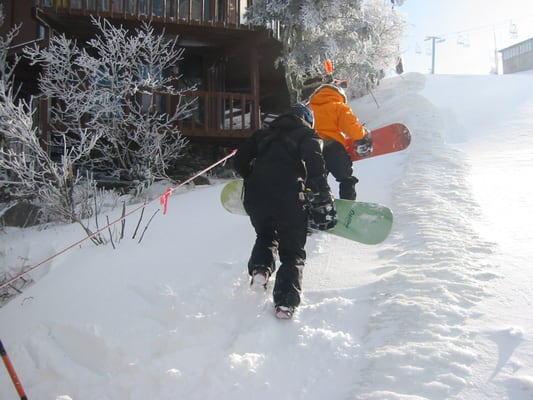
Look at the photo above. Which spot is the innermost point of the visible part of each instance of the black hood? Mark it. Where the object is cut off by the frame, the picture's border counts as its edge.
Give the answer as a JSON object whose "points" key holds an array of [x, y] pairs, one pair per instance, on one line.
{"points": [[288, 122]]}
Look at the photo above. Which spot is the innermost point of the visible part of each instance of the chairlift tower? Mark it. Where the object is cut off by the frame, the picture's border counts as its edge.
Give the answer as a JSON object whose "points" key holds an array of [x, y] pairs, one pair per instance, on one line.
{"points": [[434, 41]]}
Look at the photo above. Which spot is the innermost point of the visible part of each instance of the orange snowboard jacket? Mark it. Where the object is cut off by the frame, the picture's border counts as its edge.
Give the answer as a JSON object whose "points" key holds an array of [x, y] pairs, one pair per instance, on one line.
{"points": [[334, 118]]}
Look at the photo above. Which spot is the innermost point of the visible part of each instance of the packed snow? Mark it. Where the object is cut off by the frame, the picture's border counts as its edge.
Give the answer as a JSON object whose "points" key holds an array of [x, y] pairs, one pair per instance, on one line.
{"points": [[440, 310]]}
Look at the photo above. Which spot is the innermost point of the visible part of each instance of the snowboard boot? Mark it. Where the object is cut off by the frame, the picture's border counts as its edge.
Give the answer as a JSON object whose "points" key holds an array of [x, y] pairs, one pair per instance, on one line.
{"points": [[259, 279], [347, 188], [285, 312]]}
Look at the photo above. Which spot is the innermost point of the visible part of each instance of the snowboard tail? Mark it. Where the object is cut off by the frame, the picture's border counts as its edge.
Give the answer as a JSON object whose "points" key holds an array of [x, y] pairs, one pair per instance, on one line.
{"points": [[367, 223], [385, 140]]}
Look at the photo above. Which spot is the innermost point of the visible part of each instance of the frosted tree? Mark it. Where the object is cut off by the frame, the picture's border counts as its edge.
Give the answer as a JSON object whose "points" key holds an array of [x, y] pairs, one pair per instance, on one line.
{"points": [[111, 90], [360, 37], [365, 56], [29, 172]]}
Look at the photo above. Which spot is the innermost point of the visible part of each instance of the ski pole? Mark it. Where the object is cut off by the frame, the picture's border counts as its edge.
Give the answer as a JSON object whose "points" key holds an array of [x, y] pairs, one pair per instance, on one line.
{"points": [[374, 97], [12, 373]]}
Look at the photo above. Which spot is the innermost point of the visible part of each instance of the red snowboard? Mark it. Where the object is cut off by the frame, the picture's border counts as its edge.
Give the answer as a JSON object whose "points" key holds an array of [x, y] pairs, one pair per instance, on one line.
{"points": [[385, 140]]}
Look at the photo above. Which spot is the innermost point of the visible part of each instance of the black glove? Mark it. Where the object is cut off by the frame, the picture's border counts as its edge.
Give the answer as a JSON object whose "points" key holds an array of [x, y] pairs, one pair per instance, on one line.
{"points": [[363, 147], [322, 214]]}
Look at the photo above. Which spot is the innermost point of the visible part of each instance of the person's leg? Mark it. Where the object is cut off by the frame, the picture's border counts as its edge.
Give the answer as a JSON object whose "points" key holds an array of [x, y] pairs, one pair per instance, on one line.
{"points": [[292, 238], [339, 164], [264, 252], [347, 188]]}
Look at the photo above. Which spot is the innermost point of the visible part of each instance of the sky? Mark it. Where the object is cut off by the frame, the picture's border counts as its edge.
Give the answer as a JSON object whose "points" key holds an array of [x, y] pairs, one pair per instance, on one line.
{"points": [[441, 310], [471, 29]]}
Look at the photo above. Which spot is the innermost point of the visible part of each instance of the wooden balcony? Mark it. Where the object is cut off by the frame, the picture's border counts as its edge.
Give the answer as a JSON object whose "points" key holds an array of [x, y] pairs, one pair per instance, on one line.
{"points": [[216, 116]]}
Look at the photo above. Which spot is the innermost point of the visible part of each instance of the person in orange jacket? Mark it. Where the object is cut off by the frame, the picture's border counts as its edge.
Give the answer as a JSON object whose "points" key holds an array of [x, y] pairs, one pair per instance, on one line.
{"points": [[342, 134]]}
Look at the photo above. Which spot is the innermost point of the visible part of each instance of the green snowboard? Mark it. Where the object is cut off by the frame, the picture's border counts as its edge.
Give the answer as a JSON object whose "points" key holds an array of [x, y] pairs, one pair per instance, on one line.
{"points": [[367, 223]]}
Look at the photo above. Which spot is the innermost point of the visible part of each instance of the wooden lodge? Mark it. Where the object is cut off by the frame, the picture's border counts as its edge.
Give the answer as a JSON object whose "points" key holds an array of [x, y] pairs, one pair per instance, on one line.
{"points": [[230, 62]]}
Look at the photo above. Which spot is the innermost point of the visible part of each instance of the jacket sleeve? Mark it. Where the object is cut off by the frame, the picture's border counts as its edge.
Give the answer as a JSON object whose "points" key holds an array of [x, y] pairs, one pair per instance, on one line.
{"points": [[243, 159], [349, 123], [311, 151]]}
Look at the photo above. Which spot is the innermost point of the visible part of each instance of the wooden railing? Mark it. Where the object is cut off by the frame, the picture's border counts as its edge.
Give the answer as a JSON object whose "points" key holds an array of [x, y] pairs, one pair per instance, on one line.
{"points": [[227, 13], [216, 115]]}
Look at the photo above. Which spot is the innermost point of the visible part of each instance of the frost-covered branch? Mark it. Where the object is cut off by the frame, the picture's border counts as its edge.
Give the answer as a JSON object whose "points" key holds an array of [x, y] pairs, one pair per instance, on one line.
{"points": [[361, 37], [28, 165], [114, 89]]}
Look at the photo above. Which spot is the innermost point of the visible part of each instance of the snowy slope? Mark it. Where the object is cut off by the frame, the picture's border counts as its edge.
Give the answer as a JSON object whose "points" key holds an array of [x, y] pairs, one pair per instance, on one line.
{"points": [[438, 311]]}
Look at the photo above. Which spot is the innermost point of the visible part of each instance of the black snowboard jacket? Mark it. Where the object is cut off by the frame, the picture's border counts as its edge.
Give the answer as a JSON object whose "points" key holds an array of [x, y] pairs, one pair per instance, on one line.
{"points": [[278, 163]]}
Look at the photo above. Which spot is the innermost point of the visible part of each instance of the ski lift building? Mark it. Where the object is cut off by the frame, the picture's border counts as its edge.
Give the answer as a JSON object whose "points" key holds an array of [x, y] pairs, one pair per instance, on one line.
{"points": [[518, 57]]}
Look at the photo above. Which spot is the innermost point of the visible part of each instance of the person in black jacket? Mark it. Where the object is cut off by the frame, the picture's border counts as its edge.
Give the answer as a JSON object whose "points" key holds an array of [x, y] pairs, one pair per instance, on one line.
{"points": [[285, 184]]}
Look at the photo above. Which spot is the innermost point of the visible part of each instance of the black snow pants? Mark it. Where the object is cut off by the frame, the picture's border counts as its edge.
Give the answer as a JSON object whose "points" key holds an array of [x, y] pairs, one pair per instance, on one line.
{"points": [[280, 231], [339, 164]]}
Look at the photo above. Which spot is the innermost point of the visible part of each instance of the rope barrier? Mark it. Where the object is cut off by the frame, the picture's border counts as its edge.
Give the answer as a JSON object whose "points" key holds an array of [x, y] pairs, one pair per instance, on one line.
{"points": [[163, 199]]}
